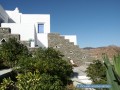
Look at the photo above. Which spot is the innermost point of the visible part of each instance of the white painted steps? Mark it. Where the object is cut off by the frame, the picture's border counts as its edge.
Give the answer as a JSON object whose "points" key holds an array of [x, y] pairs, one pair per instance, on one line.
{"points": [[4, 71]]}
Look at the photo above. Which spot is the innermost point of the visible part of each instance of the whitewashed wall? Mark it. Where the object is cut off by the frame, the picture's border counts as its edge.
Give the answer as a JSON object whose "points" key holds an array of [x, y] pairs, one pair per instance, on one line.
{"points": [[27, 26], [14, 15], [42, 39], [18, 17], [26, 31], [37, 18]]}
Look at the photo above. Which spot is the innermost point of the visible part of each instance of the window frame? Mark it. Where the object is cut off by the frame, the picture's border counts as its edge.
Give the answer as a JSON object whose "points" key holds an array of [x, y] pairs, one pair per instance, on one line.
{"points": [[39, 31]]}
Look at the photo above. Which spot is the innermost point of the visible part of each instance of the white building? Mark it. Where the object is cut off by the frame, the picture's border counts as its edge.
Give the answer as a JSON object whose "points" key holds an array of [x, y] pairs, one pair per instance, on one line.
{"points": [[34, 27]]}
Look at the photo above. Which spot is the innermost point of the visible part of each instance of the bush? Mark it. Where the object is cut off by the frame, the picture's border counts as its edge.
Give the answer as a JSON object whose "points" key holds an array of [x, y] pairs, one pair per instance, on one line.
{"points": [[11, 51], [48, 61], [7, 84], [52, 71], [97, 72]]}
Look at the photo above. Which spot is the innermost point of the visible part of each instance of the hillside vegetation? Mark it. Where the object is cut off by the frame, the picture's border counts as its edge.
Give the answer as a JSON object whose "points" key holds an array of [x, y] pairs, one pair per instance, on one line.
{"points": [[43, 70]]}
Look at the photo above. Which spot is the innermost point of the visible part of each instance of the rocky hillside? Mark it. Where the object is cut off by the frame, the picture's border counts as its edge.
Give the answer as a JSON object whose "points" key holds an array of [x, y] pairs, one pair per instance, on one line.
{"points": [[98, 52]]}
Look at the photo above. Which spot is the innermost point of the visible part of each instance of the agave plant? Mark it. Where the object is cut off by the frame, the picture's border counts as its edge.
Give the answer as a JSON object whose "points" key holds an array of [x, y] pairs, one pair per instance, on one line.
{"points": [[116, 64], [113, 72]]}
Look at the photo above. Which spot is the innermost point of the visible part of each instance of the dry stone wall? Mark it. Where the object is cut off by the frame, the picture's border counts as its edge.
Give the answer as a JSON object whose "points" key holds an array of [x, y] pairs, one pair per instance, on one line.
{"points": [[71, 51]]}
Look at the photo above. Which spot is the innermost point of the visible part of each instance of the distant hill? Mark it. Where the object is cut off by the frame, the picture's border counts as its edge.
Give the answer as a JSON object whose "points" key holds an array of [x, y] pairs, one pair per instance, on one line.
{"points": [[88, 48], [98, 52]]}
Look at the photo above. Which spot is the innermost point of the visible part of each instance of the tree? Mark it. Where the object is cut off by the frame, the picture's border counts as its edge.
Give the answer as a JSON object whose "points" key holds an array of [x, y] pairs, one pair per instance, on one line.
{"points": [[97, 72], [11, 51], [45, 66], [48, 61], [52, 63]]}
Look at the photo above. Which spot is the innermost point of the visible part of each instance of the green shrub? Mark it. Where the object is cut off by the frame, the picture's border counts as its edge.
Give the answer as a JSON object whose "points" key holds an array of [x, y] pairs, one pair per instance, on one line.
{"points": [[7, 84], [96, 72]]}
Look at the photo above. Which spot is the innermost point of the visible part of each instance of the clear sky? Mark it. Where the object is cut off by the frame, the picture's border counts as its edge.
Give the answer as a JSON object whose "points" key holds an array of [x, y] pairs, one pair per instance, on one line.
{"points": [[95, 22]]}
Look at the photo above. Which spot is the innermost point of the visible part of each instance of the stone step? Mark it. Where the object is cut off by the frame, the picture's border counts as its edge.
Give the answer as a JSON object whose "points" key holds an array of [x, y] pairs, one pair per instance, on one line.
{"points": [[61, 37], [33, 50], [67, 41], [7, 36], [1, 35], [53, 34], [71, 51], [5, 30]]}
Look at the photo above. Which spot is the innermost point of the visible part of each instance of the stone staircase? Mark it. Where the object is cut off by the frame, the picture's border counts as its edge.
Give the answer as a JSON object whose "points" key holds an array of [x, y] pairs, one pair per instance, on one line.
{"points": [[55, 40], [71, 51], [5, 33]]}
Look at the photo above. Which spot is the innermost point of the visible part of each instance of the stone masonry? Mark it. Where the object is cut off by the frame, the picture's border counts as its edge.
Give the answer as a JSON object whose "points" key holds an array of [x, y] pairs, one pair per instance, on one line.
{"points": [[67, 48], [71, 51], [5, 33]]}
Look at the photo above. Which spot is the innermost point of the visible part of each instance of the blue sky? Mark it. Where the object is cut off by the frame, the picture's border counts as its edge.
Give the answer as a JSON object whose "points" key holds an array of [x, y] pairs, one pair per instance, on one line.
{"points": [[95, 22]]}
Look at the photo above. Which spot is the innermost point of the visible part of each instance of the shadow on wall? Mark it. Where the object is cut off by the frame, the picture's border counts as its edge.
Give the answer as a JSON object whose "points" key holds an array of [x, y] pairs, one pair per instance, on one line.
{"points": [[1, 21], [11, 21], [35, 36], [40, 44], [37, 42]]}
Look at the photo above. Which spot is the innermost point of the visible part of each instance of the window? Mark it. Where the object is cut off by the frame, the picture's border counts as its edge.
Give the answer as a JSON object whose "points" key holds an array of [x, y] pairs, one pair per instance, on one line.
{"points": [[40, 28], [1, 21]]}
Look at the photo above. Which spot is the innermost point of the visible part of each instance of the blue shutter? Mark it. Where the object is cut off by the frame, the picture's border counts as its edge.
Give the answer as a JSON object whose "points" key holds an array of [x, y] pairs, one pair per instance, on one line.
{"points": [[40, 28]]}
